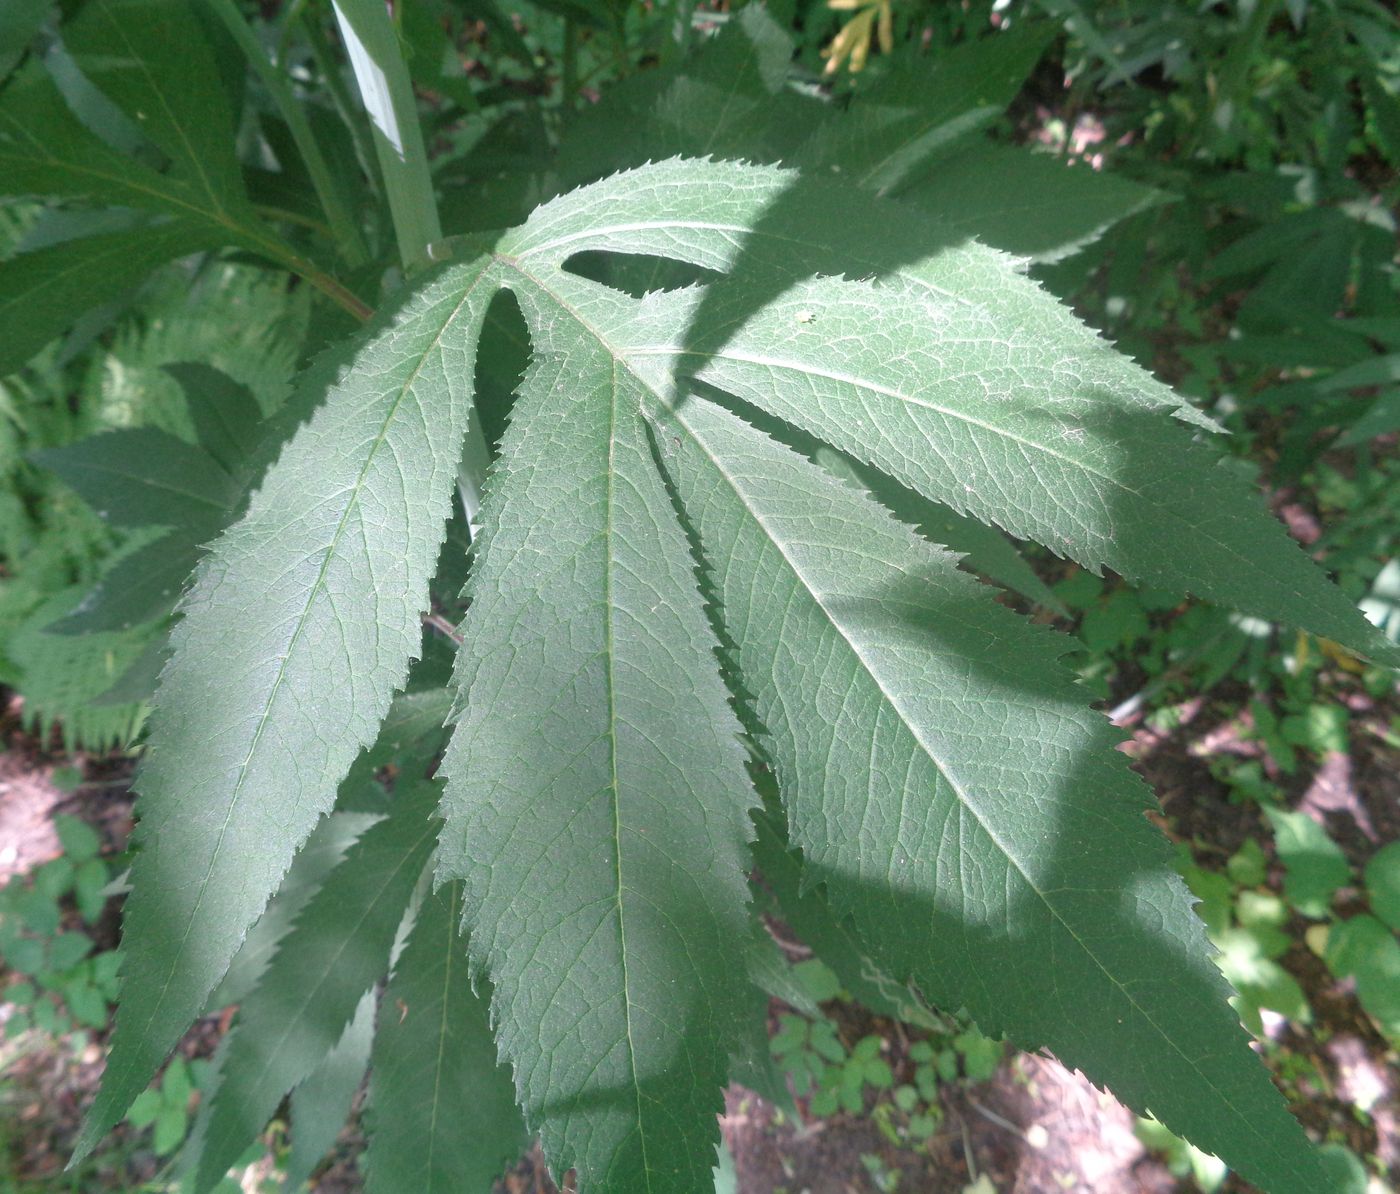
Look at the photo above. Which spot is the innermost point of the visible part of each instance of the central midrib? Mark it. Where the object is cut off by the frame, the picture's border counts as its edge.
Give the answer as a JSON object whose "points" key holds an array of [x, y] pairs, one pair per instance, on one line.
{"points": [[960, 789]]}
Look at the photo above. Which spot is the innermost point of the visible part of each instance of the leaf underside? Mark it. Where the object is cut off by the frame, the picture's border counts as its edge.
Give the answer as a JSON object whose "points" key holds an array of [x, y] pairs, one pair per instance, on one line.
{"points": [[442, 1110], [597, 799], [942, 775], [312, 988], [297, 630]]}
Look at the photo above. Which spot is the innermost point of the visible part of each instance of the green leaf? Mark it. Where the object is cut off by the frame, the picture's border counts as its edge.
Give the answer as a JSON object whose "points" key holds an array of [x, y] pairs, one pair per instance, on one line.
{"points": [[151, 58], [25, 955], [144, 1110], [171, 1125], [143, 477], [834, 940], [45, 150], [175, 1085], [1030, 204], [43, 292], [88, 1005], [1247, 866], [298, 628], [308, 995], [961, 813], [321, 1104], [985, 549], [952, 374], [1383, 884], [1260, 981], [321, 854], [770, 971], [607, 740], [441, 1106], [1364, 949], [39, 912], [1315, 867], [881, 672], [387, 91], [227, 419], [920, 109], [89, 889], [68, 949], [78, 839], [19, 994], [19, 22], [141, 586]]}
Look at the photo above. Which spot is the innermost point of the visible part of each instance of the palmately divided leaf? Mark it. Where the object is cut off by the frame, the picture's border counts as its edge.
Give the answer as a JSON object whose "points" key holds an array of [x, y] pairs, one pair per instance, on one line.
{"points": [[441, 1108], [596, 804], [942, 774], [298, 628], [335, 952], [951, 373], [946, 780]]}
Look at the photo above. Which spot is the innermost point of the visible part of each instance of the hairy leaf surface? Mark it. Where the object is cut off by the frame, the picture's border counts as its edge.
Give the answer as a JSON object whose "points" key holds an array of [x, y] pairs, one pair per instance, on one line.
{"points": [[597, 800], [887, 685], [947, 782], [950, 373], [299, 627], [964, 812]]}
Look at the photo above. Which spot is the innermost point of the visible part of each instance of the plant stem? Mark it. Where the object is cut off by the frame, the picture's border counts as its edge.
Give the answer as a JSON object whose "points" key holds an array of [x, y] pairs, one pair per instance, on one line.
{"points": [[332, 288], [270, 212], [330, 73], [682, 26], [387, 94], [342, 222]]}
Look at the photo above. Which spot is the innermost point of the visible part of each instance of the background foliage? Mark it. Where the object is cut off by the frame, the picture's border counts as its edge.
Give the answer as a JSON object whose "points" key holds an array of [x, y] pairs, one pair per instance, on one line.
{"points": [[1228, 218]]}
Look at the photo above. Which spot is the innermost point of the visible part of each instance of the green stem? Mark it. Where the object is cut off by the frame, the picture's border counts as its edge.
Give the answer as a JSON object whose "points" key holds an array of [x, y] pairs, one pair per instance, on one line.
{"points": [[345, 107], [682, 24], [387, 94], [332, 288], [271, 212], [291, 17], [342, 222]]}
